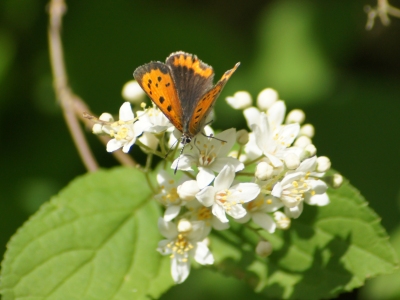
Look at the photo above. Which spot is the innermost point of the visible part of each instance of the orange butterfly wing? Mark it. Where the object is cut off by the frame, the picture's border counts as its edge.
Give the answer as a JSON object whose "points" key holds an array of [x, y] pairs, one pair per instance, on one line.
{"points": [[156, 80], [206, 103]]}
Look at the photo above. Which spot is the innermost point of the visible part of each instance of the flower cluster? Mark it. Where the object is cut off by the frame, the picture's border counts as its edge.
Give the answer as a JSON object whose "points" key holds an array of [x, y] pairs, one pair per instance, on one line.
{"points": [[264, 174]]}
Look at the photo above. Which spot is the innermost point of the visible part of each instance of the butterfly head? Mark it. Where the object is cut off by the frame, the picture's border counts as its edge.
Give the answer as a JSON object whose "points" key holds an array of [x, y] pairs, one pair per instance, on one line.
{"points": [[185, 139]]}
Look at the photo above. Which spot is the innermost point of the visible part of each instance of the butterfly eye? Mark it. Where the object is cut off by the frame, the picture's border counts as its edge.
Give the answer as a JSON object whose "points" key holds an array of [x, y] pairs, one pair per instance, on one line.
{"points": [[186, 140]]}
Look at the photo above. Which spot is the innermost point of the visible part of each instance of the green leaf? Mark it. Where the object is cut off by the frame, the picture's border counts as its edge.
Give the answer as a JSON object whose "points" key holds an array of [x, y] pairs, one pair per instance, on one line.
{"points": [[96, 240], [328, 250], [385, 287]]}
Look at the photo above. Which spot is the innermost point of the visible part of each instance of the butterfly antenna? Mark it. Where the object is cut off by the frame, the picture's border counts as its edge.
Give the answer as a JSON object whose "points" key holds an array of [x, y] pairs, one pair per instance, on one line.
{"points": [[212, 137]]}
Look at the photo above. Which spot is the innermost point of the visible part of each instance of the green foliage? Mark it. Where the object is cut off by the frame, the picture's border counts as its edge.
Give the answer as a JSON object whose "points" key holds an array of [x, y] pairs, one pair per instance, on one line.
{"points": [[385, 287], [97, 240], [327, 251]]}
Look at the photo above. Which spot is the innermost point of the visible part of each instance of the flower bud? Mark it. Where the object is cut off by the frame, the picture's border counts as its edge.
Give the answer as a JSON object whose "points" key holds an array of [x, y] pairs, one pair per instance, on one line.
{"points": [[266, 98], [106, 117], [184, 226], [311, 150], [97, 129], [187, 191], [242, 137], [132, 92], [282, 221], [240, 100], [292, 161], [323, 164], [302, 141], [337, 181], [295, 116], [264, 248], [264, 171], [307, 130]]}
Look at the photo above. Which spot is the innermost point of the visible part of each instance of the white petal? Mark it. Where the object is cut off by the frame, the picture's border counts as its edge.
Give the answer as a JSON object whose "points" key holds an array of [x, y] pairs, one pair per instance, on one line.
{"points": [[219, 212], [289, 132], [277, 190], [273, 204], [221, 162], [206, 196], [167, 229], [318, 186], [229, 136], [276, 162], [237, 211], [187, 191], [171, 212], [128, 146], [294, 212], [225, 178], [276, 113], [308, 164], [149, 140], [203, 255], [252, 116], [244, 192], [162, 177], [139, 127], [204, 177], [185, 162], [125, 112], [319, 200], [265, 221], [179, 270], [113, 145]]}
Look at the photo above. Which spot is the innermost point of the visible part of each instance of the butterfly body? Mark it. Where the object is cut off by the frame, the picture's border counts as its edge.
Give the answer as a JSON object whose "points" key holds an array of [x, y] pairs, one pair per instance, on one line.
{"points": [[182, 88]]}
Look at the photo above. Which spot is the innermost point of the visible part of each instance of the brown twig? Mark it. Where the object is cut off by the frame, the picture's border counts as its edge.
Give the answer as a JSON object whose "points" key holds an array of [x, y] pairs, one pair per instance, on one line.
{"points": [[71, 104]]}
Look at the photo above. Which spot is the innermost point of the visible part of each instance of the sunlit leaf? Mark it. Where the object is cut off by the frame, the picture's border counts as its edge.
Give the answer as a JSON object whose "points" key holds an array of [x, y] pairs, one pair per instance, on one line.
{"points": [[97, 239]]}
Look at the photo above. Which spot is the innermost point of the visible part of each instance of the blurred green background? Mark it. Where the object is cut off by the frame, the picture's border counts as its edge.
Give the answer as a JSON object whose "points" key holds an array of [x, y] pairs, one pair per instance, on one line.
{"points": [[316, 54]]}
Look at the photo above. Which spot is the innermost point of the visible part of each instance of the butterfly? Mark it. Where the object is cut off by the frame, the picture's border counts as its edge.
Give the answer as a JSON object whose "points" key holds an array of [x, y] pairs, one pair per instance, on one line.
{"points": [[182, 88]]}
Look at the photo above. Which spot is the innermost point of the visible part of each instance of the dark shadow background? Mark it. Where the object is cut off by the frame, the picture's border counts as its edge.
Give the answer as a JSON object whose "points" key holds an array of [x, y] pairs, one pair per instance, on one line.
{"points": [[316, 54]]}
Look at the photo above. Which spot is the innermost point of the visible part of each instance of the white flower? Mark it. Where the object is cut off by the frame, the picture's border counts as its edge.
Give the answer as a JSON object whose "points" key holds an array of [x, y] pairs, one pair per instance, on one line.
{"points": [[198, 212], [225, 199], [301, 185], [275, 143], [125, 131], [258, 210], [168, 195], [155, 121], [210, 155], [240, 100], [182, 242]]}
